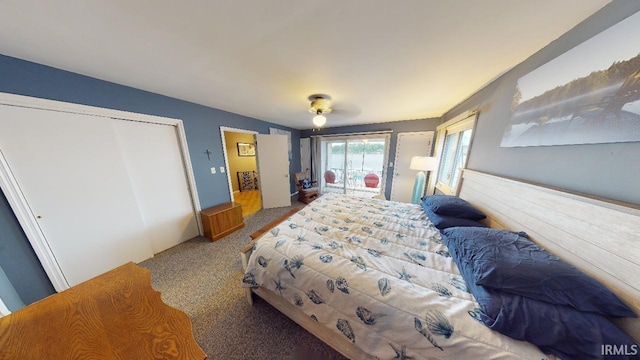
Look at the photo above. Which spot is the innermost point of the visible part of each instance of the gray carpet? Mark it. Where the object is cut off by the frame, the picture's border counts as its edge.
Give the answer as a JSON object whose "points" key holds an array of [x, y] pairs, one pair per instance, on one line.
{"points": [[202, 278]]}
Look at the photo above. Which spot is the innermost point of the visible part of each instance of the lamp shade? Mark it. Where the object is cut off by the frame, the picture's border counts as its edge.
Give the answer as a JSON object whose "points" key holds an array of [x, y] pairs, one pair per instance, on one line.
{"points": [[423, 163]]}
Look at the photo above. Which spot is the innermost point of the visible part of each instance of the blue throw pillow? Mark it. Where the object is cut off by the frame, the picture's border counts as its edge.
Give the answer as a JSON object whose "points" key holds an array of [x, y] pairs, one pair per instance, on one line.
{"points": [[556, 329], [509, 262], [443, 222], [306, 183], [448, 205]]}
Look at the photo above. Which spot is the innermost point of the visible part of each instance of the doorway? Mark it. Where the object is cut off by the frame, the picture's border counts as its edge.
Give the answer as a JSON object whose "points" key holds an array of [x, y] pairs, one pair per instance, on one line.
{"points": [[242, 170]]}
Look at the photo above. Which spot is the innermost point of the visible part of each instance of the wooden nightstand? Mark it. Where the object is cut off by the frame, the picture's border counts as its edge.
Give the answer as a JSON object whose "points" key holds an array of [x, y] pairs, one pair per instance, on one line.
{"points": [[221, 220]]}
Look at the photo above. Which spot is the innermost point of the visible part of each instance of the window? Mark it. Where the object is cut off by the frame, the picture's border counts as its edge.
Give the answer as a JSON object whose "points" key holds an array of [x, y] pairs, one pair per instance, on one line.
{"points": [[453, 141]]}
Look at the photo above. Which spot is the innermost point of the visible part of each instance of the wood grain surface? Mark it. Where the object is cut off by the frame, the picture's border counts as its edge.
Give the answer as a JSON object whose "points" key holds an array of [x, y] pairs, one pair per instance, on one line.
{"points": [[116, 315]]}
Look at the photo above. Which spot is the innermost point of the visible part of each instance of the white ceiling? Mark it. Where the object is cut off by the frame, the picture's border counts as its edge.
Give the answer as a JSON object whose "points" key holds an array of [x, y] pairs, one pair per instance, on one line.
{"points": [[380, 60]]}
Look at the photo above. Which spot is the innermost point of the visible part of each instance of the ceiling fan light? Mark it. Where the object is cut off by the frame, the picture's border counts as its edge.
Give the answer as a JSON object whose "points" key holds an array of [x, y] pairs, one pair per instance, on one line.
{"points": [[319, 120]]}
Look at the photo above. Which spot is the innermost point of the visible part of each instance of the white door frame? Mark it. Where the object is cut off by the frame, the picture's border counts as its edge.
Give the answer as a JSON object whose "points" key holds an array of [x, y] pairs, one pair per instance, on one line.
{"points": [[224, 129], [19, 204]]}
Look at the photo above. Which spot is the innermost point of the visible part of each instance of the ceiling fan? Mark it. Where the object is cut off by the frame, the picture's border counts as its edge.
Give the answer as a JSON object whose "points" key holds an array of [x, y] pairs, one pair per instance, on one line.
{"points": [[320, 105]]}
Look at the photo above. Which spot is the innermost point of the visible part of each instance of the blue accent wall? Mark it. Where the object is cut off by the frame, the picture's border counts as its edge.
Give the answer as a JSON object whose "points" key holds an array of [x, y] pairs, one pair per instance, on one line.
{"points": [[396, 126], [18, 260], [202, 127]]}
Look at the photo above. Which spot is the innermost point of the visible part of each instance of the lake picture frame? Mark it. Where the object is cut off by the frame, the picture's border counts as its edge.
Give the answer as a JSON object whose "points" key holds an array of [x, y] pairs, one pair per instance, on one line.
{"points": [[246, 149], [588, 95]]}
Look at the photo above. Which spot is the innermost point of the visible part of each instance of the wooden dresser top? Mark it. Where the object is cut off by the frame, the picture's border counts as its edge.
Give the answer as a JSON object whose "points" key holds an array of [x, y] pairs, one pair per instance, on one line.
{"points": [[116, 315]]}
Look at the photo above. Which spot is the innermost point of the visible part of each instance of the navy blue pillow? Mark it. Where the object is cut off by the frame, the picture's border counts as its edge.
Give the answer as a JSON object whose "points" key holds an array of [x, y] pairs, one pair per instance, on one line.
{"points": [[509, 262], [556, 329], [306, 183], [448, 205], [443, 222]]}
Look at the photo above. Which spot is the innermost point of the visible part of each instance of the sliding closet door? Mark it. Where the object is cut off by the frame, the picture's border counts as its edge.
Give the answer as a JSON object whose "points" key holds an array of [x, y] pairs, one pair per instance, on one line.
{"points": [[69, 168], [153, 159]]}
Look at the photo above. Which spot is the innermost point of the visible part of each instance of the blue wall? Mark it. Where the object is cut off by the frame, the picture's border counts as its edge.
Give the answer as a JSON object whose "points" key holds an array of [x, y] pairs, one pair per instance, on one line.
{"points": [[202, 127], [396, 126], [18, 260]]}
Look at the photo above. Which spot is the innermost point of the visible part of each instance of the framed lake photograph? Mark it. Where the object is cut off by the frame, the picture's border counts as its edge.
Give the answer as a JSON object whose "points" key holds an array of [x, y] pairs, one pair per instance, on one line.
{"points": [[246, 149], [588, 95]]}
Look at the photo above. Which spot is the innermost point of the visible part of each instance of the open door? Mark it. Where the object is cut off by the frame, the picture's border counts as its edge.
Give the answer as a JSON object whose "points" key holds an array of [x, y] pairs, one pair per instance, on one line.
{"points": [[272, 154]]}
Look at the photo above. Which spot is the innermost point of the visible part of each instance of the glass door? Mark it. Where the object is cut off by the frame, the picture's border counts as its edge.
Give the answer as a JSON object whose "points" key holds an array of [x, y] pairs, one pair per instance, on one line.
{"points": [[333, 167], [355, 165]]}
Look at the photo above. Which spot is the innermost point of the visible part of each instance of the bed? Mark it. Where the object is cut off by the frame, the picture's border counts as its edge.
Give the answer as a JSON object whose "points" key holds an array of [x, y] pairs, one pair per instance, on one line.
{"points": [[384, 283]]}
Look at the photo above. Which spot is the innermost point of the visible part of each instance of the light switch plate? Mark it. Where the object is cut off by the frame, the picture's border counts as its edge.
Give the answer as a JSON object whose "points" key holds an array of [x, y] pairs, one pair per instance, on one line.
{"points": [[222, 169], [213, 170]]}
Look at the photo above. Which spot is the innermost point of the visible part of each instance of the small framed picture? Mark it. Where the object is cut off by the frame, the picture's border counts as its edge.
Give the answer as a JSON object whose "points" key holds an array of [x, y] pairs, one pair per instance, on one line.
{"points": [[246, 149]]}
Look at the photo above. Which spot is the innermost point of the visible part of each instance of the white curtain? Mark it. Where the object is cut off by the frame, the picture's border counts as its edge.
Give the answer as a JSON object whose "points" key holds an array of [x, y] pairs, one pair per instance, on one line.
{"points": [[316, 158]]}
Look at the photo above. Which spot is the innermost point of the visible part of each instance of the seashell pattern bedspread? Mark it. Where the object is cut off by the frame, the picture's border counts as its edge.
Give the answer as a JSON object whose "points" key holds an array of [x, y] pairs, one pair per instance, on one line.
{"points": [[378, 273]]}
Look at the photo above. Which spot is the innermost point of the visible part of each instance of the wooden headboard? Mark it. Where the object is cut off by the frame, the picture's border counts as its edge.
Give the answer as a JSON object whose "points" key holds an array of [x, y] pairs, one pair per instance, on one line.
{"points": [[599, 236]]}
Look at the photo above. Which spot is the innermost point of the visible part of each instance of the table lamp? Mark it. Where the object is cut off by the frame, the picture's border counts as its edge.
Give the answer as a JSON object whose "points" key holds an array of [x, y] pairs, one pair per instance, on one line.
{"points": [[422, 164]]}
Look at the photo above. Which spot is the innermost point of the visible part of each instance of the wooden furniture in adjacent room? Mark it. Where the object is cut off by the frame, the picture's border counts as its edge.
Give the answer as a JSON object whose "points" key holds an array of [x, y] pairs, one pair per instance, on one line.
{"points": [[247, 180], [221, 220], [116, 315], [305, 194]]}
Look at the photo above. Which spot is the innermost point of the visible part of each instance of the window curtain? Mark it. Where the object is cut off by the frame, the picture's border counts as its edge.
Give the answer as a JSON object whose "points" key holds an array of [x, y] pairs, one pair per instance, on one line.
{"points": [[316, 157]]}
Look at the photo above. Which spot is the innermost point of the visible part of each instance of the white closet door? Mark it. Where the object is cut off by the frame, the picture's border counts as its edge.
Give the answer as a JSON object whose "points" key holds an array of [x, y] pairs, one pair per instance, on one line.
{"points": [[153, 159], [70, 170]]}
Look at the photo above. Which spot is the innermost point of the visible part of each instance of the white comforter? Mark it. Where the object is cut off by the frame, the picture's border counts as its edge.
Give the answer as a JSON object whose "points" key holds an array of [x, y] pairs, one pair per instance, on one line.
{"points": [[377, 272]]}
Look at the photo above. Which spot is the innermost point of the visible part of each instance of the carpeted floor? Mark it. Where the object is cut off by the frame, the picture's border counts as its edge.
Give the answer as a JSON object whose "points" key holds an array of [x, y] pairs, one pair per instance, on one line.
{"points": [[202, 278]]}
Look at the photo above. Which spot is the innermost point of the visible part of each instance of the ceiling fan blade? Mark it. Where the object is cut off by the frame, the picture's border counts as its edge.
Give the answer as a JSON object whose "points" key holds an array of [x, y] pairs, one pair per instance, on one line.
{"points": [[345, 110]]}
